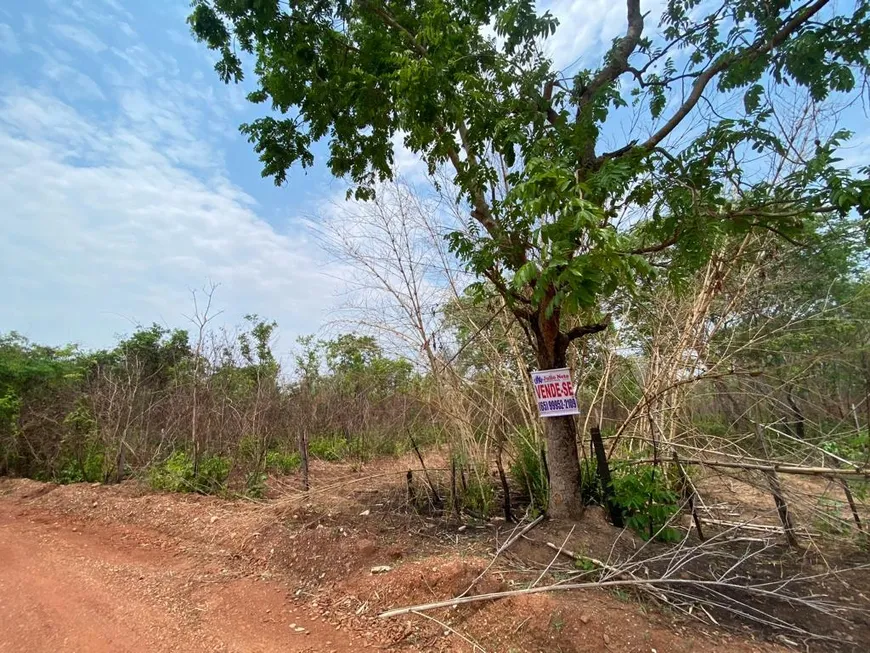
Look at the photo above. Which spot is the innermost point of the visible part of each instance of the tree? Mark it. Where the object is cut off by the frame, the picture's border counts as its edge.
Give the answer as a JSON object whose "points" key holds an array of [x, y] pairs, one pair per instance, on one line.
{"points": [[557, 224]]}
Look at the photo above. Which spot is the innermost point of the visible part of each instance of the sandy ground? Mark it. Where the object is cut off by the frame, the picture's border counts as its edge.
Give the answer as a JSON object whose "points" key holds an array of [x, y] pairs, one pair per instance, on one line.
{"points": [[65, 588]]}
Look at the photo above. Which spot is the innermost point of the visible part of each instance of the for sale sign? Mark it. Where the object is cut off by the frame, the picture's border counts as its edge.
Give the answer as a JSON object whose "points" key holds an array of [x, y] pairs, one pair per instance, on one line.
{"points": [[554, 391]]}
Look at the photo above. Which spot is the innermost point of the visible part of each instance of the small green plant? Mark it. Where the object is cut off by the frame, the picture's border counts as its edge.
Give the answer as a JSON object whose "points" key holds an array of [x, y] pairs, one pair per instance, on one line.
{"points": [[176, 474], [255, 484], [622, 595], [585, 564], [648, 502], [283, 463]]}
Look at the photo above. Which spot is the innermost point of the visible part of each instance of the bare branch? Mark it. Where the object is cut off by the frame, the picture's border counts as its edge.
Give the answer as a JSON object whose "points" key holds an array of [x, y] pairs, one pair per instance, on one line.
{"points": [[757, 49], [617, 63]]}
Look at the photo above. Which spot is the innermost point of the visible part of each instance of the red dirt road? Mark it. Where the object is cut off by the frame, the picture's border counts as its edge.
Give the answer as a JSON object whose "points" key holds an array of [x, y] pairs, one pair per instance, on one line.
{"points": [[69, 588]]}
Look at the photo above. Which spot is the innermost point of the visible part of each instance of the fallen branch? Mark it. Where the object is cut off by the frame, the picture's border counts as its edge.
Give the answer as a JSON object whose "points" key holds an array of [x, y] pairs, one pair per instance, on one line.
{"points": [[555, 557], [474, 645], [582, 586], [781, 469], [748, 526], [615, 572], [504, 547]]}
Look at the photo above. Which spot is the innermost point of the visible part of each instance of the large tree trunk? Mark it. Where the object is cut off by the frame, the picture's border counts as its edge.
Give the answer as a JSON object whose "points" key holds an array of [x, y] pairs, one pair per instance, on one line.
{"points": [[564, 464], [561, 432]]}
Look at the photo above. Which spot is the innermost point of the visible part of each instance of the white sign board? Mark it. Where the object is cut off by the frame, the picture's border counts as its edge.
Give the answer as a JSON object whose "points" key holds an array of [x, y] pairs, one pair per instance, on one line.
{"points": [[554, 391]]}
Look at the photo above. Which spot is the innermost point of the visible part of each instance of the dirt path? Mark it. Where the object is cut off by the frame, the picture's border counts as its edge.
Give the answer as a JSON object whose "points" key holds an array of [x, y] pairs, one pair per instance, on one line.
{"points": [[67, 587], [95, 568]]}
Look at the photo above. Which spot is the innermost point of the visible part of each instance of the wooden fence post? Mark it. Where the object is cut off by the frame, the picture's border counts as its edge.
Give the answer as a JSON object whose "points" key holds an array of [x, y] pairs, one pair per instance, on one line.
{"points": [[604, 476], [690, 492], [776, 490]]}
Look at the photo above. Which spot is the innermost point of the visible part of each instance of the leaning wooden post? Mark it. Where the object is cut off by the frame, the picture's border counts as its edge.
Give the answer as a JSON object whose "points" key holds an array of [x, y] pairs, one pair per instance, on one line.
{"points": [[776, 491], [690, 493], [303, 456], [604, 476], [850, 499]]}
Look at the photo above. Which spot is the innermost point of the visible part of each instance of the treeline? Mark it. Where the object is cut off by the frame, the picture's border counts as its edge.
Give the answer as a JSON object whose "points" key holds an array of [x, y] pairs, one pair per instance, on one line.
{"points": [[199, 415]]}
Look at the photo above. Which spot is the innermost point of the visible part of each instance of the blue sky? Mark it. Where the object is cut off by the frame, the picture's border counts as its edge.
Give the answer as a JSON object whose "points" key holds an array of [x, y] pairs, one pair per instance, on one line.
{"points": [[125, 181]]}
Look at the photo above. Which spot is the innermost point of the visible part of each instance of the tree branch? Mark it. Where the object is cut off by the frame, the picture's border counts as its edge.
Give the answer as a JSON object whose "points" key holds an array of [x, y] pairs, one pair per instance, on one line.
{"points": [[480, 207], [622, 50], [755, 50], [587, 329], [658, 247]]}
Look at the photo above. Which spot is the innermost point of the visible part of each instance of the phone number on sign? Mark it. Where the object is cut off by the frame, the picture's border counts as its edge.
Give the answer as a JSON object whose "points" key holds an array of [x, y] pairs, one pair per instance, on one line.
{"points": [[558, 404]]}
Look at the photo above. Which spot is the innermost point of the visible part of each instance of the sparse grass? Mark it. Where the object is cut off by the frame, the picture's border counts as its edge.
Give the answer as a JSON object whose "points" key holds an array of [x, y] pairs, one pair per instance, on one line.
{"points": [[527, 471], [479, 492]]}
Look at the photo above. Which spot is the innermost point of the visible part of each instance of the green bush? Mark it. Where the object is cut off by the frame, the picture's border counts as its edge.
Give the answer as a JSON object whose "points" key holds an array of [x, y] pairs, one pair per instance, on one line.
{"points": [[852, 446], [648, 502], [89, 469], [283, 463], [176, 474], [331, 449]]}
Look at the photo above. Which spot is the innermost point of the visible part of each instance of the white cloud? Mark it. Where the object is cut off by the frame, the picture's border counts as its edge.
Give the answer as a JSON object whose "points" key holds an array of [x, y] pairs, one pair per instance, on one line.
{"points": [[103, 226], [81, 36], [588, 27], [408, 164], [116, 7], [105, 12], [8, 42], [73, 83], [126, 29]]}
